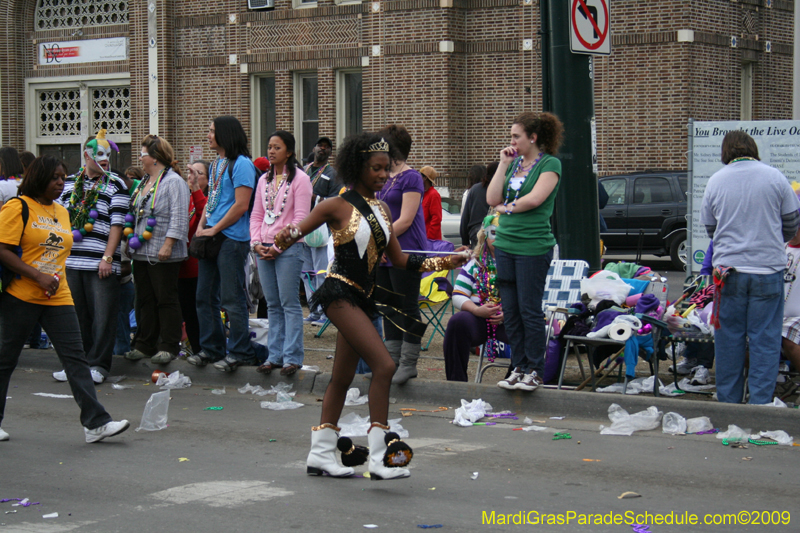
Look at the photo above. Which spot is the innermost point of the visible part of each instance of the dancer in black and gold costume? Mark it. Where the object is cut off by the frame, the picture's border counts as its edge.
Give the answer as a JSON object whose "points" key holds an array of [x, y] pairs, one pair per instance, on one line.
{"points": [[361, 229]]}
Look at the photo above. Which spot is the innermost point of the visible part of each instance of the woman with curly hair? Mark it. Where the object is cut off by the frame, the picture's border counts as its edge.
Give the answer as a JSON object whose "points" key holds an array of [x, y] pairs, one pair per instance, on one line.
{"points": [[362, 231], [524, 189]]}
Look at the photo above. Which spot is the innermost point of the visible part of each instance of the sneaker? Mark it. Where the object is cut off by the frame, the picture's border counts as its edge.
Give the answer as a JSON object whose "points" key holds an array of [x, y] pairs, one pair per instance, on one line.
{"points": [[3, 435], [510, 383], [320, 321], [701, 376], [311, 318], [198, 359], [685, 366], [97, 377], [107, 430], [529, 382], [135, 355], [61, 375], [227, 364], [162, 358]]}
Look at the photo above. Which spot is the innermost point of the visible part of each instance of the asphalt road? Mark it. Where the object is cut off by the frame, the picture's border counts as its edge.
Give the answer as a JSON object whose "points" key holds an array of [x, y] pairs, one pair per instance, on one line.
{"points": [[219, 470]]}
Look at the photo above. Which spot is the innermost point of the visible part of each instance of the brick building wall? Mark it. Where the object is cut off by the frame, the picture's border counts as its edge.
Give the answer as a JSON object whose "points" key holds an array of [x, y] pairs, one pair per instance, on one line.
{"points": [[458, 105]]}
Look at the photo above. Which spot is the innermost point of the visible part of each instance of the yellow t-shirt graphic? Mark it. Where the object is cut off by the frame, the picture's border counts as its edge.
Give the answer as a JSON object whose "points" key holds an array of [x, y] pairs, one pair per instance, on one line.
{"points": [[46, 244]]}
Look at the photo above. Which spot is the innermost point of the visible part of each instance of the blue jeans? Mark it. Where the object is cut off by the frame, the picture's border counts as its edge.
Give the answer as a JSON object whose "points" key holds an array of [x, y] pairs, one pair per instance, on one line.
{"points": [[280, 279], [221, 284], [751, 308], [17, 317], [520, 279], [123, 342], [314, 260]]}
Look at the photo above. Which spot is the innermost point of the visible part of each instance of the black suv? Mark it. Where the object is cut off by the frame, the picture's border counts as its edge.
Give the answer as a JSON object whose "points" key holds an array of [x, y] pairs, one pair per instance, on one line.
{"points": [[646, 213]]}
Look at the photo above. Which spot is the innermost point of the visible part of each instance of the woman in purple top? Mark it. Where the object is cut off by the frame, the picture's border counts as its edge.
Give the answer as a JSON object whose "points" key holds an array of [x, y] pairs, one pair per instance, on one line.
{"points": [[403, 194]]}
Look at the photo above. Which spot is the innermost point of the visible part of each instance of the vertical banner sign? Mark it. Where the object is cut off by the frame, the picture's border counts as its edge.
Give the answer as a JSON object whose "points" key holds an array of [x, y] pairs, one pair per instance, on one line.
{"points": [[590, 27], [778, 144]]}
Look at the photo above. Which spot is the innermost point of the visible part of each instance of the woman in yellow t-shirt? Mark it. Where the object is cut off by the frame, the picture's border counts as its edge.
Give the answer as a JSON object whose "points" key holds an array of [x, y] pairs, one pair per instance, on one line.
{"points": [[37, 251]]}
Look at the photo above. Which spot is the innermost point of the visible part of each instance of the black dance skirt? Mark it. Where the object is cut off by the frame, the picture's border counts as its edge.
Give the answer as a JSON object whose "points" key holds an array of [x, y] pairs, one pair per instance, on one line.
{"points": [[333, 289]]}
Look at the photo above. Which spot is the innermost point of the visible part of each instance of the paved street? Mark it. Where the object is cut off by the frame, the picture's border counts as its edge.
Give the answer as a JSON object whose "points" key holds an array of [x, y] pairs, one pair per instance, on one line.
{"points": [[212, 471]]}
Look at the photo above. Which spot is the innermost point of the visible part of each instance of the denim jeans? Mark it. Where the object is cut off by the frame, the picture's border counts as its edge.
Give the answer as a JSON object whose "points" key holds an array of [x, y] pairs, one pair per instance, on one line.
{"points": [[97, 306], [221, 284], [280, 279], [123, 343], [751, 307], [314, 260], [520, 279], [17, 317]]}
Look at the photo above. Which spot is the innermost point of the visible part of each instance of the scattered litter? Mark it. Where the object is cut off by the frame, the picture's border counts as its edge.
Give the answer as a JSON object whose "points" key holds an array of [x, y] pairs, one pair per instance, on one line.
{"points": [[733, 434], [310, 368], [781, 437], [328, 357], [48, 395], [512, 497], [370, 526], [484, 423], [353, 425], [116, 379], [623, 423], [117, 386], [51, 515], [218, 392], [273, 440], [700, 425], [686, 385], [640, 385], [404, 414], [673, 424], [215, 408], [776, 402], [154, 417], [10, 512], [175, 380], [425, 526], [592, 460], [474, 475], [392, 400], [432, 488], [557, 417], [561, 436], [641, 528], [354, 397], [505, 415], [747, 458], [527, 421], [258, 390], [628, 495], [471, 412], [438, 410], [182, 459], [537, 428], [283, 403]]}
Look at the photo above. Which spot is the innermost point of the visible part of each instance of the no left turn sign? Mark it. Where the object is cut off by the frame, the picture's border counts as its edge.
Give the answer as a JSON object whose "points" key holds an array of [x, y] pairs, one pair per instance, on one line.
{"points": [[589, 27]]}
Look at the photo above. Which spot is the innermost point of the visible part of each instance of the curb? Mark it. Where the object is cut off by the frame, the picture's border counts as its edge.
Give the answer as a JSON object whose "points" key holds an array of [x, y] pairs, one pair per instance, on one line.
{"points": [[544, 402]]}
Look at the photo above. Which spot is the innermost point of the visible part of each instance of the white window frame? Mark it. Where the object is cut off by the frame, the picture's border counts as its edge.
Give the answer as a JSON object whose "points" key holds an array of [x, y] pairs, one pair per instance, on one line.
{"points": [[255, 111], [297, 78], [299, 4], [746, 91], [341, 114], [84, 85]]}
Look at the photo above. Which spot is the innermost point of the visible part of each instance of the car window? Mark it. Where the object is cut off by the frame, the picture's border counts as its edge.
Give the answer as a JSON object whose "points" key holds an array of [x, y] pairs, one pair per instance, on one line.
{"points": [[651, 191], [451, 206], [616, 190]]}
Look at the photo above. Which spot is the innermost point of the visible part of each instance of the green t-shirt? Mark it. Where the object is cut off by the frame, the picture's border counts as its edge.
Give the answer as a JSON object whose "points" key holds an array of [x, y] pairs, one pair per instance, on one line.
{"points": [[529, 233]]}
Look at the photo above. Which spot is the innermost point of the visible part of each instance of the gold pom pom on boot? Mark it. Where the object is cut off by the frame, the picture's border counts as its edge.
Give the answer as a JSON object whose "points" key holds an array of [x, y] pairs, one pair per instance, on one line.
{"points": [[322, 457], [377, 455]]}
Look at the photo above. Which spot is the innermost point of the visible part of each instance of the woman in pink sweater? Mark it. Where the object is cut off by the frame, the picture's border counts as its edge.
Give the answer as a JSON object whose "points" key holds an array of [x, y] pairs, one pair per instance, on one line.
{"points": [[283, 196]]}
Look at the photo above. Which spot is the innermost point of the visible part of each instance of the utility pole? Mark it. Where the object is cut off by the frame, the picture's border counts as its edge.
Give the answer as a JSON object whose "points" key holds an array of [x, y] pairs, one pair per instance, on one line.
{"points": [[567, 91]]}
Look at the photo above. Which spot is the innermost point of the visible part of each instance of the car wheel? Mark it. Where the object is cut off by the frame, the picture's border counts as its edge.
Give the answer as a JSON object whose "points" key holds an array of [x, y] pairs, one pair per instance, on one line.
{"points": [[678, 252]]}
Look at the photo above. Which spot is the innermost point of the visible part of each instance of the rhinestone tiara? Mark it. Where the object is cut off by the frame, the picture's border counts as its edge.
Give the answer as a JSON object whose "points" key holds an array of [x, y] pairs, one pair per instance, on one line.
{"points": [[380, 146]]}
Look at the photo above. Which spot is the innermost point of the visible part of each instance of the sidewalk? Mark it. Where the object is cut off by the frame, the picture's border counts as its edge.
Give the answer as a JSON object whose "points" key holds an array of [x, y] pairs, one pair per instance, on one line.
{"points": [[542, 403]]}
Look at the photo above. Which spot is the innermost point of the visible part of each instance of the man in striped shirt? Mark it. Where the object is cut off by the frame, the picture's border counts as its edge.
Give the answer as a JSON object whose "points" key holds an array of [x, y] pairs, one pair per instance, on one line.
{"points": [[93, 268]]}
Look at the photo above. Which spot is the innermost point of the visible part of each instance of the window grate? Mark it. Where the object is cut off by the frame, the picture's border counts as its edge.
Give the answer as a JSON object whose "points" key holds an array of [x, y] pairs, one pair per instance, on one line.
{"points": [[63, 14], [59, 112], [111, 110]]}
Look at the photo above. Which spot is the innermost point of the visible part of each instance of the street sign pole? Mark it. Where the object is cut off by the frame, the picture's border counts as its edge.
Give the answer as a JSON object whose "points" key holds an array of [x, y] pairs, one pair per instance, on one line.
{"points": [[568, 92]]}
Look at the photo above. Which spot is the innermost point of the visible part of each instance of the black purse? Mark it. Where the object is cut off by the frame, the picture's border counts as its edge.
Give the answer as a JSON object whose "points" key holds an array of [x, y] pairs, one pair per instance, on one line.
{"points": [[206, 247]]}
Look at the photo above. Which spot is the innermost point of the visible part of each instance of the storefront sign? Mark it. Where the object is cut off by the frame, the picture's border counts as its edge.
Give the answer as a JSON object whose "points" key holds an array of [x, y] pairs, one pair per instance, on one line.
{"points": [[778, 146], [88, 51]]}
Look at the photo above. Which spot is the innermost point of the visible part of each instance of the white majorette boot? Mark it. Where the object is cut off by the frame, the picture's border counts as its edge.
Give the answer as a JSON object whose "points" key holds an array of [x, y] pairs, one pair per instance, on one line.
{"points": [[377, 451], [322, 457]]}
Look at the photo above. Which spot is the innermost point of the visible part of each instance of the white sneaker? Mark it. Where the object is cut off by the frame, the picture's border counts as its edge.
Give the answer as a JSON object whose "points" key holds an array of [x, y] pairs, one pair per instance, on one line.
{"points": [[529, 382], [701, 375], [61, 375], [3, 435], [685, 366], [510, 383], [108, 430], [97, 377]]}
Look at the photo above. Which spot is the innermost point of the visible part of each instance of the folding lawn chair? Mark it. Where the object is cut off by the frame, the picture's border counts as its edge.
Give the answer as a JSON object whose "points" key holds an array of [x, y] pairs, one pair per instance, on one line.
{"points": [[435, 292]]}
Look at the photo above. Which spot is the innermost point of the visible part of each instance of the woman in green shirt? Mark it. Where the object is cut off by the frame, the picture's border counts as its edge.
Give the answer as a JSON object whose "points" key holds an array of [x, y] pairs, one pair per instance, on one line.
{"points": [[523, 190]]}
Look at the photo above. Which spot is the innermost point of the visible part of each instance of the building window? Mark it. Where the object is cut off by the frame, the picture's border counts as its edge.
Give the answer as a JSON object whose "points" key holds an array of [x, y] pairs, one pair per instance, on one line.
{"points": [[111, 108], [746, 100], [264, 110], [306, 109], [304, 3], [348, 104], [64, 14]]}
